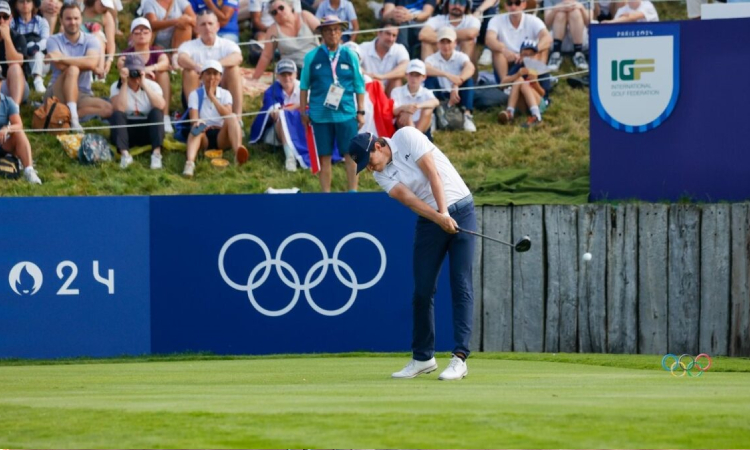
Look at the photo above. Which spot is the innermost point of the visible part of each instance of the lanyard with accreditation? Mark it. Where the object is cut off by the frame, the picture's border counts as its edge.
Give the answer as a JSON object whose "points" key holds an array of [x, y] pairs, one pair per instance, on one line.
{"points": [[335, 91]]}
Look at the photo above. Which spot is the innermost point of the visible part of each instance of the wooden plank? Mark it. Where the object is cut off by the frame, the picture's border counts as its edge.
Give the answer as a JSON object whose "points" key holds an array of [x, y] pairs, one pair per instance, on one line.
{"points": [[739, 343], [561, 235], [593, 223], [528, 280], [653, 251], [622, 281], [684, 279], [715, 286], [475, 345], [497, 282]]}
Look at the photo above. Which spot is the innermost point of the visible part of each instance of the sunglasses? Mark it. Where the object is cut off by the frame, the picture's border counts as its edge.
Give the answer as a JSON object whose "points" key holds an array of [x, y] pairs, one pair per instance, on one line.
{"points": [[512, 3], [4, 17], [141, 31], [458, 2], [276, 11]]}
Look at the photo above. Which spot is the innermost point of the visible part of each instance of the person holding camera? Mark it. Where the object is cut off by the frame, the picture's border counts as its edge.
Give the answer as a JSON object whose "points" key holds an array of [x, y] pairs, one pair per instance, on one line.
{"points": [[137, 100]]}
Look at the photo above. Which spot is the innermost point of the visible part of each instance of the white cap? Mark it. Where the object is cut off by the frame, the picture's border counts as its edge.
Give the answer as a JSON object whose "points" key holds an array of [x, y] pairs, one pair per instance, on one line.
{"points": [[140, 22], [446, 32], [415, 65], [108, 4], [212, 64]]}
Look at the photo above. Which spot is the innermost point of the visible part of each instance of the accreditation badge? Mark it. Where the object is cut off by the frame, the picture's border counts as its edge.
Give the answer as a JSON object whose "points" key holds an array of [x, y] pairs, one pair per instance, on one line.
{"points": [[335, 94]]}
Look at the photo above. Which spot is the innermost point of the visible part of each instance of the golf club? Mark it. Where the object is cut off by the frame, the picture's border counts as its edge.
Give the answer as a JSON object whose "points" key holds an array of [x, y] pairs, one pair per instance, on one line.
{"points": [[521, 246]]}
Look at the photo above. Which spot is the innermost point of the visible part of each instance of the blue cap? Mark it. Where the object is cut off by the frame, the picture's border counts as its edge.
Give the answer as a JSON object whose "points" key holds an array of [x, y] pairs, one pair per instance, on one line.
{"points": [[529, 43], [360, 148]]}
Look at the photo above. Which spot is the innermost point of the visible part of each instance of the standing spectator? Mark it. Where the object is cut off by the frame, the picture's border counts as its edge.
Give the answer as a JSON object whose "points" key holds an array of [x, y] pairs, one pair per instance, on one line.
{"points": [[344, 10], [12, 54], [155, 60], [384, 59], [452, 69], [527, 91], [456, 15], [136, 100], [172, 21], [35, 29], [13, 140], [332, 87], [292, 35], [506, 32], [211, 129], [227, 12], [408, 12], [208, 46], [635, 11], [74, 55], [413, 104], [50, 10], [565, 16], [98, 21]]}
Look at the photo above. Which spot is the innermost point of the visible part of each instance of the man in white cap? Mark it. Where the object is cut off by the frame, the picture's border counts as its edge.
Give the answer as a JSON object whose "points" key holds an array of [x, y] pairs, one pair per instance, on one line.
{"points": [[383, 58], [413, 104], [12, 54]]}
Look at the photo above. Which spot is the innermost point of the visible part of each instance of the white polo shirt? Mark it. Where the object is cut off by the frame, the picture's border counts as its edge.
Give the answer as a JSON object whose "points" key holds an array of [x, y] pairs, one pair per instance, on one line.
{"points": [[200, 52], [137, 101], [467, 22], [512, 37], [453, 66], [646, 7], [294, 98], [401, 96], [371, 61], [408, 145], [208, 111]]}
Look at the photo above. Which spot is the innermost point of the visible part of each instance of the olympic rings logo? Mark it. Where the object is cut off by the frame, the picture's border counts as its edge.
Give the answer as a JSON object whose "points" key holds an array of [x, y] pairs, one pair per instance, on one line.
{"points": [[253, 281], [686, 364]]}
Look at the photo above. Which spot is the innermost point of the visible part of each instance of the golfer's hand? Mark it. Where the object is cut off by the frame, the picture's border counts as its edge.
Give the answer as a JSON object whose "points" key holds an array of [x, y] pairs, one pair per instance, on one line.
{"points": [[448, 224]]}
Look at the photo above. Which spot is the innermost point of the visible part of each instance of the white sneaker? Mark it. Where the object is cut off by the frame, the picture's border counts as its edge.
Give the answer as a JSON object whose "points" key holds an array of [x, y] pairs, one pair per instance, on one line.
{"points": [[469, 123], [39, 85], [415, 368], [486, 58], [125, 161], [555, 60], [168, 129], [155, 161], [189, 169], [456, 370], [579, 59], [291, 164], [31, 176]]}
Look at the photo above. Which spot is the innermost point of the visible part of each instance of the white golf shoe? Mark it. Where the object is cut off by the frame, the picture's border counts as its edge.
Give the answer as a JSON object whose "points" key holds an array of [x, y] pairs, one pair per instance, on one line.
{"points": [[416, 368], [456, 370]]}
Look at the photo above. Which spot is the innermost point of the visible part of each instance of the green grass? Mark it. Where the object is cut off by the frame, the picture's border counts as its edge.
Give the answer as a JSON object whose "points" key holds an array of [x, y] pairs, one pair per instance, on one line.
{"points": [[324, 401]]}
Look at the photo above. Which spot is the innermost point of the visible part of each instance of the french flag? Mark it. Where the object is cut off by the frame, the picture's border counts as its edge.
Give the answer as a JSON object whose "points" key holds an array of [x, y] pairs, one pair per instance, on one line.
{"points": [[312, 150]]}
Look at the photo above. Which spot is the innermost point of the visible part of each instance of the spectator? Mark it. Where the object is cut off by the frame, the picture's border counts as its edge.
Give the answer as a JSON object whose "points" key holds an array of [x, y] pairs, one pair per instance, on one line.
{"points": [[332, 88], [384, 59], [261, 17], [506, 32], [378, 106], [208, 46], [455, 16], [13, 140], [413, 104], [635, 11], [227, 12], [50, 10], [12, 54], [211, 129], [35, 29], [484, 11], [453, 70], [97, 20], [155, 60], [172, 21], [527, 91], [289, 25], [606, 9], [344, 10], [136, 100], [408, 12], [565, 16], [74, 55]]}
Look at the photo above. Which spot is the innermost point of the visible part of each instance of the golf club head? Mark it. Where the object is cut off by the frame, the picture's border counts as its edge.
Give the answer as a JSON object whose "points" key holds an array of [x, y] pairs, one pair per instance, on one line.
{"points": [[524, 245]]}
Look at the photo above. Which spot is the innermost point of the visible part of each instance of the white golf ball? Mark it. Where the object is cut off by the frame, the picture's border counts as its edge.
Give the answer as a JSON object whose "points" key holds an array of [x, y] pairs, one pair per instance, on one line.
{"points": [[587, 256]]}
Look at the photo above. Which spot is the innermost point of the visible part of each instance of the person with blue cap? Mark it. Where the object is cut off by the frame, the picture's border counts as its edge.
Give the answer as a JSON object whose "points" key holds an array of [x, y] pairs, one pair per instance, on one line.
{"points": [[412, 170], [529, 87]]}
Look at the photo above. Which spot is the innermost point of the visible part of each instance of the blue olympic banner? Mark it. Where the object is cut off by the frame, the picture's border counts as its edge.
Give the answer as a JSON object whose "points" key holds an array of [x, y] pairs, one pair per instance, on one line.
{"points": [[666, 111]]}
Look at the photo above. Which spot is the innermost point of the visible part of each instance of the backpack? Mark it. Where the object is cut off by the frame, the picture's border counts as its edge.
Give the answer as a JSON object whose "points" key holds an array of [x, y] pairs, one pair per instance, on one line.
{"points": [[52, 114], [94, 149], [182, 128], [9, 167], [449, 117]]}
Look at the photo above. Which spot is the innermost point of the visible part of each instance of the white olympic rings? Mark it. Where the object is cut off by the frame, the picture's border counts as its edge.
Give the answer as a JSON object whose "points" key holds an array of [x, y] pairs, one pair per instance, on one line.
{"points": [[309, 283]]}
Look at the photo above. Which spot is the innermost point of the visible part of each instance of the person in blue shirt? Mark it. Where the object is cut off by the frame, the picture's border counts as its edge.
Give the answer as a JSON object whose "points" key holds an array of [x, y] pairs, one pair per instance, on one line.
{"points": [[226, 11], [13, 140], [344, 10], [332, 77]]}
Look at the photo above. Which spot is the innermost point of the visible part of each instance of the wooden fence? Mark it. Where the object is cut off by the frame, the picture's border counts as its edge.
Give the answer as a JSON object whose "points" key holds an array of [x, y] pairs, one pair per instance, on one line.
{"points": [[663, 278]]}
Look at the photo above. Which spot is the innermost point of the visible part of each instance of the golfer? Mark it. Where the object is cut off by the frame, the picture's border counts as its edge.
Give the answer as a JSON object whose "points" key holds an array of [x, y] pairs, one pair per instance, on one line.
{"points": [[413, 171]]}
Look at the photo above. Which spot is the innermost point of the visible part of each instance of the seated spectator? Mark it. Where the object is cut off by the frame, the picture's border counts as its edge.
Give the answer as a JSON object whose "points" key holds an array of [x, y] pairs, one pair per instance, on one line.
{"points": [[408, 12], [484, 11], [261, 18], [384, 59], [506, 32], [378, 106], [227, 12], [97, 20], [606, 9], [527, 92], [288, 24], [13, 140], [35, 29], [208, 46], [562, 17], [155, 60], [173, 22], [413, 104], [50, 10], [344, 10], [211, 129], [455, 15], [11, 58], [452, 70], [71, 77], [635, 11]]}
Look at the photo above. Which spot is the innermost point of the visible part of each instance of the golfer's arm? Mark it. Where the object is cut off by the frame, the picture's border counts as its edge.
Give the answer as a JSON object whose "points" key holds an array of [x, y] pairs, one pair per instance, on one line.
{"points": [[427, 164], [411, 201]]}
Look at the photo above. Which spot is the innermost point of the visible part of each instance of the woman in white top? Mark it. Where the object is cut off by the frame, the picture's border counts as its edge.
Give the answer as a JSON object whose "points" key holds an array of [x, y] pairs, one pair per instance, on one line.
{"points": [[172, 21], [214, 124], [635, 11]]}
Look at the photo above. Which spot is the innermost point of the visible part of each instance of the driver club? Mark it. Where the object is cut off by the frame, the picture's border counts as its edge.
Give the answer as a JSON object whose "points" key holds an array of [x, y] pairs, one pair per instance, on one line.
{"points": [[521, 246]]}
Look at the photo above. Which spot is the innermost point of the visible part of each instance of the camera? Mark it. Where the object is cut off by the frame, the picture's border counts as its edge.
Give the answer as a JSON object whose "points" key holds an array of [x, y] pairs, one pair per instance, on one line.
{"points": [[135, 73]]}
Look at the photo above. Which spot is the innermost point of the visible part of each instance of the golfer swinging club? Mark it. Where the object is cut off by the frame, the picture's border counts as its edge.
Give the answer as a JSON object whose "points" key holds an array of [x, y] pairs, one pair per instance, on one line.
{"points": [[415, 172]]}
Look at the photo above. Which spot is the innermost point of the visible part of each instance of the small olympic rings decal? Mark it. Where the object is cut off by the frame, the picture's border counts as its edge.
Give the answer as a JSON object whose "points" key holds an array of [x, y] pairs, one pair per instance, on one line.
{"points": [[685, 364]]}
